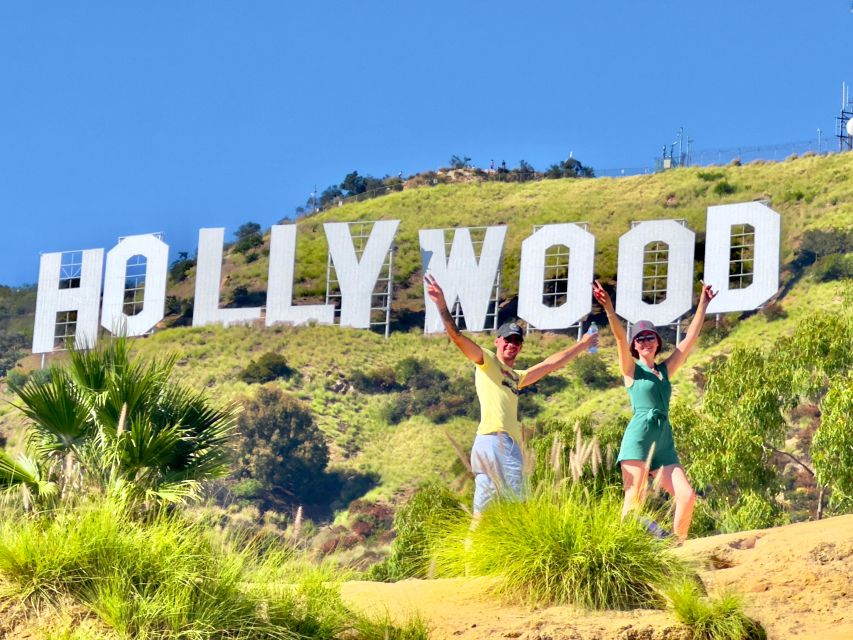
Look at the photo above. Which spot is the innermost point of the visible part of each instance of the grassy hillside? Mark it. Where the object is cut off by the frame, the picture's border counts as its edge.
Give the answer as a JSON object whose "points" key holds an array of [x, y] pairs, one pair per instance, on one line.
{"points": [[810, 193], [328, 358], [17, 307]]}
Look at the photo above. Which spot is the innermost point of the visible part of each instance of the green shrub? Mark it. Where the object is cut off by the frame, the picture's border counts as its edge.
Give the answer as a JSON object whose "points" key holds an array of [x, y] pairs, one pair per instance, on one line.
{"points": [[823, 242], [834, 267], [249, 488], [715, 330], [112, 423], [724, 188], [15, 378], [428, 392], [179, 269], [379, 380], [720, 618], [414, 373], [563, 546], [710, 176], [281, 447], [394, 411], [752, 511], [592, 370], [774, 311], [40, 376], [270, 366], [418, 524]]}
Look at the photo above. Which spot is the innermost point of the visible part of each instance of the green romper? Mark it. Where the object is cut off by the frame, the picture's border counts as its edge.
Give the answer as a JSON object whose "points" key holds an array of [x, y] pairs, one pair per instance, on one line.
{"points": [[650, 424]]}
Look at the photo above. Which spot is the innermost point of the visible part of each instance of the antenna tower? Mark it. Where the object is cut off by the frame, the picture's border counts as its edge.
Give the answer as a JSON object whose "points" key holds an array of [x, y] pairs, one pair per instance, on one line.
{"points": [[844, 122], [676, 154]]}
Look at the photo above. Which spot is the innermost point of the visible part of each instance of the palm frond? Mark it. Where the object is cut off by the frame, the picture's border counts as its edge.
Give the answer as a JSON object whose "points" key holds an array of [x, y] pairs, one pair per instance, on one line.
{"points": [[60, 415], [25, 471], [144, 445]]}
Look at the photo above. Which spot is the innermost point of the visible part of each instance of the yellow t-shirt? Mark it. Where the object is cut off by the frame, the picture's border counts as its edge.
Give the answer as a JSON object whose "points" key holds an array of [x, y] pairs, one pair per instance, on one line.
{"points": [[497, 390]]}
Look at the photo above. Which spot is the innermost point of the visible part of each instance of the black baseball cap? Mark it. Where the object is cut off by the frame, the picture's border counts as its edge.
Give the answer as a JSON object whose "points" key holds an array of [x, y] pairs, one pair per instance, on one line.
{"points": [[508, 329]]}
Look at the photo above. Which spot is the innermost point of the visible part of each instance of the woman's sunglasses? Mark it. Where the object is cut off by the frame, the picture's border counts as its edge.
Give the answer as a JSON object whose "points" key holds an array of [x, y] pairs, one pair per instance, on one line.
{"points": [[648, 337]]}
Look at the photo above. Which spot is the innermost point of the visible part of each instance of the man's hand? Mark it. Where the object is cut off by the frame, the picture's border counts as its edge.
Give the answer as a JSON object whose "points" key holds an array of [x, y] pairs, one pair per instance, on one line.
{"points": [[468, 347], [434, 292], [589, 340]]}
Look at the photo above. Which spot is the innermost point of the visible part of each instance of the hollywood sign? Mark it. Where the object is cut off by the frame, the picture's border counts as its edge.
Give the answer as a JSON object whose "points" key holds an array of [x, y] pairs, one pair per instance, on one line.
{"points": [[462, 274]]}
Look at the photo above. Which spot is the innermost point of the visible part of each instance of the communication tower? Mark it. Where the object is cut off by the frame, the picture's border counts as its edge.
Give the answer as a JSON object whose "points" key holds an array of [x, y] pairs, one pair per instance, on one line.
{"points": [[677, 153], [844, 122]]}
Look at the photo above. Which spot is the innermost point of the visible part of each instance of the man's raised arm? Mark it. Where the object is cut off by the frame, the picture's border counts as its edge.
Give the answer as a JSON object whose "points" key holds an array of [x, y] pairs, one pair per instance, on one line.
{"points": [[467, 346], [560, 359]]}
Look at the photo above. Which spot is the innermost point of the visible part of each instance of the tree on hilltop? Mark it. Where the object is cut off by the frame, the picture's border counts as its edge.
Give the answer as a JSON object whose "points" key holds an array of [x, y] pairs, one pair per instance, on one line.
{"points": [[248, 236], [457, 162], [353, 184], [569, 168]]}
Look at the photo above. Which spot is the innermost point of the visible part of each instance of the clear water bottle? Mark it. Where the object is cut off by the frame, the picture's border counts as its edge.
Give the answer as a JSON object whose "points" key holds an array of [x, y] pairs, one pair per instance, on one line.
{"points": [[593, 328]]}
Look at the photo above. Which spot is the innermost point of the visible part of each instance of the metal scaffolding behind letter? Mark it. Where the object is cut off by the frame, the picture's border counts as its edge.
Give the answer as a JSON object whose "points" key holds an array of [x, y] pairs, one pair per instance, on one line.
{"points": [[380, 303]]}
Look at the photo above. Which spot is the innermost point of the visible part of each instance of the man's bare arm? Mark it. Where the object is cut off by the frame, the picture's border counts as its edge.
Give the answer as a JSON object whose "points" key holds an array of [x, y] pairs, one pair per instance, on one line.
{"points": [[559, 360], [468, 347]]}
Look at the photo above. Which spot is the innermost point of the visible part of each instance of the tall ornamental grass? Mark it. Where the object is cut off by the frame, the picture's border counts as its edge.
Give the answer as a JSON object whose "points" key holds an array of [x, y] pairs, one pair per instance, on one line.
{"points": [[563, 546], [166, 578], [720, 618]]}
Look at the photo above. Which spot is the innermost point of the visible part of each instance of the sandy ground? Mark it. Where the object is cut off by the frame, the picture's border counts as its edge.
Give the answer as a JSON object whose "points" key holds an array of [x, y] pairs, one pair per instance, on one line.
{"points": [[797, 581]]}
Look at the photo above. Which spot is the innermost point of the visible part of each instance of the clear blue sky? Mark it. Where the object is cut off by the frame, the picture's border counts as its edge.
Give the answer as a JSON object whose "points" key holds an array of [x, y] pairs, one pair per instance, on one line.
{"points": [[119, 118]]}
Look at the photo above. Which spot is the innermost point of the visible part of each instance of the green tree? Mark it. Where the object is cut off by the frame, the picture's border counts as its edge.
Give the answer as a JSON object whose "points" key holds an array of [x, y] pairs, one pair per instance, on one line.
{"points": [[459, 162], [569, 168], [179, 269], [248, 236], [113, 423], [832, 447], [247, 230], [281, 447], [731, 441], [353, 184], [329, 194]]}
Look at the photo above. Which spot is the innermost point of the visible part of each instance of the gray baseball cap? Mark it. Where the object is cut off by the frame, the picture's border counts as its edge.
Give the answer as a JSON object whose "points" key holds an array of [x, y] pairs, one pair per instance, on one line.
{"points": [[643, 325]]}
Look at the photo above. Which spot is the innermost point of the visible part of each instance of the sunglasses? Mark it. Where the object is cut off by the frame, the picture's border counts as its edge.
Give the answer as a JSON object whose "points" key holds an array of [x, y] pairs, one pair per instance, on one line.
{"points": [[516, 340], [647, 337]]}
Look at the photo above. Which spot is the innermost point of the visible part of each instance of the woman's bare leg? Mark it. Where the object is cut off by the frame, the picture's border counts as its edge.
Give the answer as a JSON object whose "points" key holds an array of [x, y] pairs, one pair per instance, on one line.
{"points": [[634, 480], [674, 481]]}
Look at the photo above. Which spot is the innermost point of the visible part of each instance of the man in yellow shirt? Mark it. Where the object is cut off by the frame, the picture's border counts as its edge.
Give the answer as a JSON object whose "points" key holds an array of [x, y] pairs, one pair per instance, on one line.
{"points": [[496, 454]]}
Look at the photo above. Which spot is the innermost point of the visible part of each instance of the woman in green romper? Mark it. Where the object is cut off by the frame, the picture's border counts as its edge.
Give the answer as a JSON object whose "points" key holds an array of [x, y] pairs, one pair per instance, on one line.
{"points": [[649, 389]]}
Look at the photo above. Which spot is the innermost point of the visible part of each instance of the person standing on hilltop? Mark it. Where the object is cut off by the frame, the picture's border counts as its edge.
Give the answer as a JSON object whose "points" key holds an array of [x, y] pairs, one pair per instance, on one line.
{"points": [[647, 445], [496, 454]]}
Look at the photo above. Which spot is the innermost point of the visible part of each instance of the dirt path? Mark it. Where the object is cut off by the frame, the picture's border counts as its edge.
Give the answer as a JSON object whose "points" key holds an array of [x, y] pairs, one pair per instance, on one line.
{"points": [[796, 580]]}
